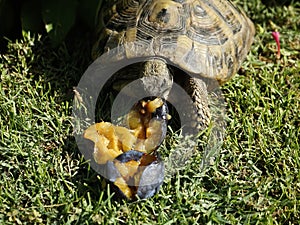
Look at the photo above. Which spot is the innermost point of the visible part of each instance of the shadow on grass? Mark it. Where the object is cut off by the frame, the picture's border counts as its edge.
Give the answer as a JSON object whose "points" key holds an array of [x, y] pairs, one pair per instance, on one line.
{"points": [[61, 69], [277, 2]]}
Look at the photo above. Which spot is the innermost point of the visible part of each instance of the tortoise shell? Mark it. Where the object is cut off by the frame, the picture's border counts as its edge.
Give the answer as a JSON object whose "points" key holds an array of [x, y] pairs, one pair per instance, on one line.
{"points": [[209, 38]]}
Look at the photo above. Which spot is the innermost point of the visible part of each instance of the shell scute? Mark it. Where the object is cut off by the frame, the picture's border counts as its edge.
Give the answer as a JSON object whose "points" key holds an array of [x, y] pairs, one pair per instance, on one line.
{"points": [[206, 38]]}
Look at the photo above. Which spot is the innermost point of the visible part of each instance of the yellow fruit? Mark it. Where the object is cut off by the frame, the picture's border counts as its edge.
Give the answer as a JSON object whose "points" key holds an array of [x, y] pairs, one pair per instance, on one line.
{"points": [[125, 137], [107, 130], [144, 133], [122, 185], [128, 169], [151, 106], [91, 133], [102, 153]]}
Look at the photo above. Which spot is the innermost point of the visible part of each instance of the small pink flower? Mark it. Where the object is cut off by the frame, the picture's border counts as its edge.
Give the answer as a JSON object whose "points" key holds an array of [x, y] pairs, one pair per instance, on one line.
{"points": [[276, 36]]}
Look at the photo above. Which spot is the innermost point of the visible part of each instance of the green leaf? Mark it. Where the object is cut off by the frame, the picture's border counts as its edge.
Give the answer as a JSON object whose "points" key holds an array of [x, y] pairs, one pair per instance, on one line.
{"points": [[60, 16]]}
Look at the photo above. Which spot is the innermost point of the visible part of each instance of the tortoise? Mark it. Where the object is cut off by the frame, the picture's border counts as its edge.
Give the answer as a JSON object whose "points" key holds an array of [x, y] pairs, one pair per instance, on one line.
{"points": [[194, 43], [206, 40]]}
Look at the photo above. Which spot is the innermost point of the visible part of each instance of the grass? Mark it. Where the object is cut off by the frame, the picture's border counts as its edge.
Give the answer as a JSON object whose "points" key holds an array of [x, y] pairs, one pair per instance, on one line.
{"points": [[255, 180]]}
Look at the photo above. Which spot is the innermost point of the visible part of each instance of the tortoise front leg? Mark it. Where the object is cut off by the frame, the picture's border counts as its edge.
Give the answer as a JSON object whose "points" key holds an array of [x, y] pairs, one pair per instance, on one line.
{"points": [[196, 88]]}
